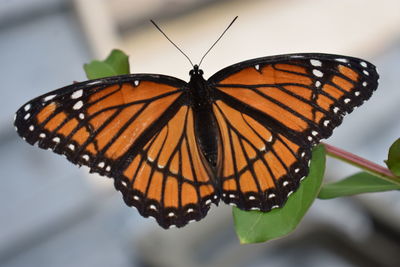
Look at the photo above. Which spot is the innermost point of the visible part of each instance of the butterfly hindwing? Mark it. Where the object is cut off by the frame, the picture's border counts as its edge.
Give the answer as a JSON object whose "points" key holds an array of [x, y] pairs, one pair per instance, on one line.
{"points": [[167, 179], [272, 110]]}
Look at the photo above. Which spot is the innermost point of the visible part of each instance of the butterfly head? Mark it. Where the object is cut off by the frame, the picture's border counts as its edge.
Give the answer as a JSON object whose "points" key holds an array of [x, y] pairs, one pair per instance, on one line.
{"points": [[196, 71]]}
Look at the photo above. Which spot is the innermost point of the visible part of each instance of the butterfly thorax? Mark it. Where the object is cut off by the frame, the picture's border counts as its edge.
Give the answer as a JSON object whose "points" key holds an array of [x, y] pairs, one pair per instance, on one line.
{"points": [[201, 99]]}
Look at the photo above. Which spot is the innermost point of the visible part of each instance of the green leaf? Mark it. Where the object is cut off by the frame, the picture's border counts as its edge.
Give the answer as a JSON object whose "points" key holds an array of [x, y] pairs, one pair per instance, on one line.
{"points": [[255, 226], [115, 64], [393, 161], [362, 182]]}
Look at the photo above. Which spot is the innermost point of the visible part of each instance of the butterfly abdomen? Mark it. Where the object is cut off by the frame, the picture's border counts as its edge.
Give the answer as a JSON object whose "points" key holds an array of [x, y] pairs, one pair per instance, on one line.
{"points": [[206, 128]]}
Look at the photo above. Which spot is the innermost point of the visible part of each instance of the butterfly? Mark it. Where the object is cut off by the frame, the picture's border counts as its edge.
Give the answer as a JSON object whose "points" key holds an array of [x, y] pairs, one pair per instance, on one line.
{"points": [[244, 136]]}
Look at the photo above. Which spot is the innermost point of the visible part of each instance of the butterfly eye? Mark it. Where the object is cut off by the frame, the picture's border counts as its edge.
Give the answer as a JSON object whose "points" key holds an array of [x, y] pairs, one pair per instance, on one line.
{"points": [[201, 72], [191, 72]]}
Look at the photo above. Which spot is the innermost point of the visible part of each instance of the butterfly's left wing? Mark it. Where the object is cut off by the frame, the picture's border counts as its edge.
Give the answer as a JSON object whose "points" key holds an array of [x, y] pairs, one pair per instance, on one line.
{"points": [[271, 111], [137, 129]]}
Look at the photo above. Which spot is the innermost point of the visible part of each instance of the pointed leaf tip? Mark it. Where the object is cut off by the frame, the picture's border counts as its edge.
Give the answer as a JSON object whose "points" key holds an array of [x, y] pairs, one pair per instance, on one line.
{"points": [[358, 183]]}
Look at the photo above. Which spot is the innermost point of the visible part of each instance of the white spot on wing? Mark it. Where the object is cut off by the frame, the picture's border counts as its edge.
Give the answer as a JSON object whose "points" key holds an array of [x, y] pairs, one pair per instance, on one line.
{"points": [[94, 82], [108, 168], [296, 170], [272, 195], [42, 135], [101, 164], [77, 94], [81, 116], [27, 116], [251, 198], [363, 64], [316, 62], [341, 60], [257, 67], [314, 133], [56, 139], [85, 157], [326, 122], [357, 93], [317, 84], [27, 107], [160, 166], [285, 183], [346, 100], [152, 207], [317, 73], [48, 98], [364, 84], [71, 146], [366, 72], [78, 105], [31, 128], [136, 83], [171, 214]]}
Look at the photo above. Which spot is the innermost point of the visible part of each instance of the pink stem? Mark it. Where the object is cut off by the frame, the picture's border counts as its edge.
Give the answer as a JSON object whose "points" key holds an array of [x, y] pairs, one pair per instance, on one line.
{"points": [[360, 162]]}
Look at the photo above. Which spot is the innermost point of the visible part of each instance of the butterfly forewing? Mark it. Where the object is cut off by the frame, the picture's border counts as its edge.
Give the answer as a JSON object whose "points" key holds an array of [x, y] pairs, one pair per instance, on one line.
{"points": [[272, 110]]}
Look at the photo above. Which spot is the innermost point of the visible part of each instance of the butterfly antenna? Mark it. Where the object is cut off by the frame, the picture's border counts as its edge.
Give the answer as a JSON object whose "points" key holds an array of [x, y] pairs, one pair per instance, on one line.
{"points": [[217, 40], [158, 28]]}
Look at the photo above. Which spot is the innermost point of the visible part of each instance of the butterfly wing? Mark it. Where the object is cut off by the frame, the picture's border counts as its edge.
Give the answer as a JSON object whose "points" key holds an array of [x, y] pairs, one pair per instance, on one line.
{"points": [[272, 110], [126, 127]]}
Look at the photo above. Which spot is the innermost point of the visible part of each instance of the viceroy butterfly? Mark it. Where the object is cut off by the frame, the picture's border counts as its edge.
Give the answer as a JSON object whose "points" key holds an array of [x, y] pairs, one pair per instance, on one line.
{"points": [[244, 136]]}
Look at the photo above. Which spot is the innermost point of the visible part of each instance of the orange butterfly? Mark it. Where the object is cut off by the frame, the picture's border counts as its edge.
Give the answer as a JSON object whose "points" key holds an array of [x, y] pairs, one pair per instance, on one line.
{"points": [[244, 136]]}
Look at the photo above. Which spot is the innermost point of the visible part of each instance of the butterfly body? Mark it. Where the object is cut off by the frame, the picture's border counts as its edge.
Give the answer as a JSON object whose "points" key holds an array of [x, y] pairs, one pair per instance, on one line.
{"points": [[206, 128], [244, 136]]}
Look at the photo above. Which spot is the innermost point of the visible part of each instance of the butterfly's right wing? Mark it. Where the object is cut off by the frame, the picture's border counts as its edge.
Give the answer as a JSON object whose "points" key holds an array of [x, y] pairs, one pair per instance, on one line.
{"points": [[272, 110], [135, 128]]}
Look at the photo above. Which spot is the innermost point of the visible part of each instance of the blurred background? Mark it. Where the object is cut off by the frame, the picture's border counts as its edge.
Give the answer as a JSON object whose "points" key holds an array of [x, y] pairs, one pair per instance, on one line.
{"points": [[55, 214]]}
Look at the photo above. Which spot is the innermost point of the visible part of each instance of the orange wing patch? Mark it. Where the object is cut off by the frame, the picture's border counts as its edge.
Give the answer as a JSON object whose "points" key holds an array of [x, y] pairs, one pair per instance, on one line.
{"points": [[259, 167], [167, 179], [269, 75]]}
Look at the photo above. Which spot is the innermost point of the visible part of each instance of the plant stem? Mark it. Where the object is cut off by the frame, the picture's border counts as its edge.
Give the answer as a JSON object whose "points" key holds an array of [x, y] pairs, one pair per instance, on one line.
{"points": [[362, 163]]}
